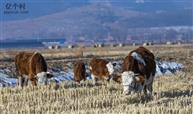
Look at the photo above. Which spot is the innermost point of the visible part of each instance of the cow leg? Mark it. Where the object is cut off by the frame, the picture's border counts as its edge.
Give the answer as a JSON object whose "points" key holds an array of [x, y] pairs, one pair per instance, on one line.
{"points": [[107, 78], [33, 80], [25, 80], [148, 86], [94, 79], [29, 82], [150, 89], [103, 81], [140, 89], [21, 81], [145, 90]]}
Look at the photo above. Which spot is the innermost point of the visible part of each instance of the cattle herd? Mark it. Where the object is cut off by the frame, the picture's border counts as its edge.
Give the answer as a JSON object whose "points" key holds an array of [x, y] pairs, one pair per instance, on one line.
{"points": [[137, 74]]}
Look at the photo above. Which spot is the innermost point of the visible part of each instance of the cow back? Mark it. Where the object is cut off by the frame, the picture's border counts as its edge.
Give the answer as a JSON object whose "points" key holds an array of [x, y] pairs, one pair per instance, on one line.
{"points": [[30, 63], [22, 63], [98, 67], [37, 64]]}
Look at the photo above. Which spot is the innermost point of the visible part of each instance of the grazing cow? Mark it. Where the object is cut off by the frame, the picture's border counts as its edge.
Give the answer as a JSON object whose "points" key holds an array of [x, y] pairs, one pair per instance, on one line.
{"points": [[79, 71], [32, 67], [101, 69], [139, 69]]}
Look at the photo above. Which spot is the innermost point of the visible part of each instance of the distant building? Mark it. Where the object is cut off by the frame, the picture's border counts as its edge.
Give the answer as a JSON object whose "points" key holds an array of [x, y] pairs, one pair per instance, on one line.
{"points": [[98, 45], [112, 45], [147, 44], [54, 47], [169, 43], [57, 47], [121, 45], [150, 43], [179, 43], [51, 47], [70, 46]]}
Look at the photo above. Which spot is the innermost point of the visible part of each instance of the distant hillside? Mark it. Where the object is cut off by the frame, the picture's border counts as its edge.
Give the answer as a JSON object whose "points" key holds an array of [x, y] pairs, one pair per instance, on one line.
{"points": [[96, 21], [39, 8]]}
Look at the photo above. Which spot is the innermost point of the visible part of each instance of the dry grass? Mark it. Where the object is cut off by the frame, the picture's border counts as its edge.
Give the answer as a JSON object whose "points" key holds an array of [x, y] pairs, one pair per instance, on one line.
{"points": [[158, 50], [173, 95]]}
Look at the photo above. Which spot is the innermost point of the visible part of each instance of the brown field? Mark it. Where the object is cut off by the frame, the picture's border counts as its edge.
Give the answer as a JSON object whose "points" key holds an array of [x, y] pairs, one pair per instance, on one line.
{"points": [[173, 94]]}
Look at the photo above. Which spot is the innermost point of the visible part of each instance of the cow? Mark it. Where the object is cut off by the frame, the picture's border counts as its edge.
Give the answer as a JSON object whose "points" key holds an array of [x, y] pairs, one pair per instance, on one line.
{"points": [[139, 69], [79, 71], [31, 66], [101, 69]]}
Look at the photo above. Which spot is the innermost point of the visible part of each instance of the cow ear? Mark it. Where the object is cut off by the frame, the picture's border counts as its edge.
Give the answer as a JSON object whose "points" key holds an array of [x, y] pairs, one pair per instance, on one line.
{"points": [[137, 78], [49, 75], [114, 64]]}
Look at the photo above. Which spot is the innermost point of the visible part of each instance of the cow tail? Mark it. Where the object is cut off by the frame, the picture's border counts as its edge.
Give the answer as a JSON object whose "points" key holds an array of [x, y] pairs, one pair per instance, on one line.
{"points": [[16, 67], [16, 70], [154, 71]]}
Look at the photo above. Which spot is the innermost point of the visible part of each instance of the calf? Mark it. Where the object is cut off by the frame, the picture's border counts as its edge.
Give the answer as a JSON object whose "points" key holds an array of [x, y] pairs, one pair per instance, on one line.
{"points": [[139, 69], [31, 66], [101, 69], [79, 71]]}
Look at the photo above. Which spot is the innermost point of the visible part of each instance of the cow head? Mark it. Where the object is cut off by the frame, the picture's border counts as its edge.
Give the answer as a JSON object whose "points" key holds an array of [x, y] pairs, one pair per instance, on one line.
{"points": [[110, 68], [131, 82], [42, 77]]}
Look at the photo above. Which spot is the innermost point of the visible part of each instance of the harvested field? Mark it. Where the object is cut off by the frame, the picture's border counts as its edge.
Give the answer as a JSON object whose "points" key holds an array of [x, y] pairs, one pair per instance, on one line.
{"points": [[173, 94]]}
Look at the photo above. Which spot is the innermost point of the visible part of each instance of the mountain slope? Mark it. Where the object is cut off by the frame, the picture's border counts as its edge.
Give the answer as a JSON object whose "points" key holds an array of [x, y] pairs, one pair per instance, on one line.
{"points": [[38, 8], [95, 21]]}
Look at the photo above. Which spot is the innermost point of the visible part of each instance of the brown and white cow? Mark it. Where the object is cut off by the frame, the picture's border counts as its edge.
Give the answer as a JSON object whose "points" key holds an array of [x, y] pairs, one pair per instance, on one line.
{"points": [[32, 67], [139, 69], [79, 71], [101, 69]]}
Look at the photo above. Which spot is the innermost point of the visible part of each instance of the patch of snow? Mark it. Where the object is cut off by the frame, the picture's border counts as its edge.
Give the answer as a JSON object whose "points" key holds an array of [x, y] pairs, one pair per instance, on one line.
{"points": [[6, 81], [162, 68], [167, 68]]}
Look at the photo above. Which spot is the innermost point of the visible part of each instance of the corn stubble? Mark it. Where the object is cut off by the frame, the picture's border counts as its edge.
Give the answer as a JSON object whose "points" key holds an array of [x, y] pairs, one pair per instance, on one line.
{"points": [[172, 95]]}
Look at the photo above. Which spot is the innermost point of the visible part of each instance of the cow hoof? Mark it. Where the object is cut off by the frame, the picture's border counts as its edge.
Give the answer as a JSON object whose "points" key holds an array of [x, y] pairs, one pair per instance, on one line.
{"points": [[149, 97], [56, 87], [125, 93]]}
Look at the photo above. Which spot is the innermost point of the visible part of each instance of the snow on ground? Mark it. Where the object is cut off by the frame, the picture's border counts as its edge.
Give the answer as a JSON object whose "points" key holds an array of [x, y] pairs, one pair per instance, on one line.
{"points": [[166, 68], [6, 81], [162, 68]]}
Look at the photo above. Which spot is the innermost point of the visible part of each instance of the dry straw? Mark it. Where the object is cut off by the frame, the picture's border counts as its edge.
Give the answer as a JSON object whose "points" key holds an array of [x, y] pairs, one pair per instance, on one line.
{"points": [[173, 95]]}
